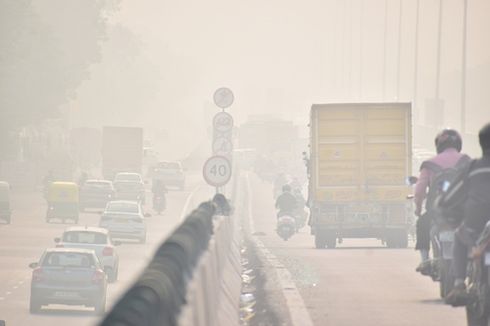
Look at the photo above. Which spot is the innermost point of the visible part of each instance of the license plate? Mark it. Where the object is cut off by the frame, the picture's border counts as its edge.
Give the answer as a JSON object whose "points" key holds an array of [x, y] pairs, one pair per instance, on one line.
{"points": [[446, 236], [62, 294], [487, 259]]}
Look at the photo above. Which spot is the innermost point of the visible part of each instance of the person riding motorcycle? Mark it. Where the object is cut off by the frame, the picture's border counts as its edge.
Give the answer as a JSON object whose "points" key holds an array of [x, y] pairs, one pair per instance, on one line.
{"points": [[286, 202], [158, 188], [448, 145], [470, 197]]}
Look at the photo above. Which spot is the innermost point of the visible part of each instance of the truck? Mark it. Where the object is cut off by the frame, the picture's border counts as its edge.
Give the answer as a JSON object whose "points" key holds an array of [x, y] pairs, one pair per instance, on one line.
{"points": [[122, 150], [358, 164]]}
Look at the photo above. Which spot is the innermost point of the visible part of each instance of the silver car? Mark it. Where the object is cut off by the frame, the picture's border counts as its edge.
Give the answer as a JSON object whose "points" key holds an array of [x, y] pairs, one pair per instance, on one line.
{"points": [[96, 239], [129, 186], [68, 276], [124, 220]]}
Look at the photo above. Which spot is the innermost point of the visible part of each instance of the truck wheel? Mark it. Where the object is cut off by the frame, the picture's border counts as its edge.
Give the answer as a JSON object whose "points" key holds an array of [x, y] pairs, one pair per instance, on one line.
{"points": [[319, 240], [331, 240]]}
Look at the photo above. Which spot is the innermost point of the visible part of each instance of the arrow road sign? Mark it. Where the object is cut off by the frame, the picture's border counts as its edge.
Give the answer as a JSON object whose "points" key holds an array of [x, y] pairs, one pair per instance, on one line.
{"points": [[223, 97]]}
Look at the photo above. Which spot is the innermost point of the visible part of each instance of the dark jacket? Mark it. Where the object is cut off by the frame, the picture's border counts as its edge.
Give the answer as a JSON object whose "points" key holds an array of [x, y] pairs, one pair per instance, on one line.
{"points": [[470, 195], [286, 202]]}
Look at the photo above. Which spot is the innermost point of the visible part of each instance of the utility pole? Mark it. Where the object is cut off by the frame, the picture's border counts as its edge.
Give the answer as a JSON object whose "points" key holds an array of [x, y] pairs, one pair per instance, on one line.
{"points": [[399, 54], [463, 67], [416, 61], [385, 32], [361, 40], [438, 58]]}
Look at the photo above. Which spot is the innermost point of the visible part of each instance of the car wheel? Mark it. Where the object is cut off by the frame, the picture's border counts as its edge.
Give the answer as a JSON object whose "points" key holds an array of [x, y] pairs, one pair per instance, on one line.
{"points": [[99, 307], [34, 306]]}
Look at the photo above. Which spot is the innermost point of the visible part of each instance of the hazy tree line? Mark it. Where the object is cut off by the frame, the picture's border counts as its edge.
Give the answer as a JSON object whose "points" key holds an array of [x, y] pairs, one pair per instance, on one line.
{"points": [[46, 48]]}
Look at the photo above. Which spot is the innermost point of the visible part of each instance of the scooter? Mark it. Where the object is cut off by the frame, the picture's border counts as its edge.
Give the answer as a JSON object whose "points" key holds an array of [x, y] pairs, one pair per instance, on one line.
{"points": [[159, 203], [286, 226]]}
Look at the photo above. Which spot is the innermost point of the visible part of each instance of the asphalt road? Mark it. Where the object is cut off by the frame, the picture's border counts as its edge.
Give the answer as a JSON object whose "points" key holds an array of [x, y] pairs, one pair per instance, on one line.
{"points": [[359, 283], [24, 240]]}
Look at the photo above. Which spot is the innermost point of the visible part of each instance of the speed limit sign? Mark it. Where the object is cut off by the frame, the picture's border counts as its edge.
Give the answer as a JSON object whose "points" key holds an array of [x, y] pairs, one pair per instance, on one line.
{"points": [[217, 171]]}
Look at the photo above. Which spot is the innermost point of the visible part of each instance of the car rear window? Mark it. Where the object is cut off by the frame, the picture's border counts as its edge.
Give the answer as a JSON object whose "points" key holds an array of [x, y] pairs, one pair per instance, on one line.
{"points": [[68, 259], [122, 207], [97, 185], [85, 237]]}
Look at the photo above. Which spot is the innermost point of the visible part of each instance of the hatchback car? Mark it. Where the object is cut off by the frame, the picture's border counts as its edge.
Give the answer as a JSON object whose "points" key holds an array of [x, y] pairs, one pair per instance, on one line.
{"points": [[124, 220], [129, 186], [96, 239], [171, 173], [96, 194], [68, 276]]}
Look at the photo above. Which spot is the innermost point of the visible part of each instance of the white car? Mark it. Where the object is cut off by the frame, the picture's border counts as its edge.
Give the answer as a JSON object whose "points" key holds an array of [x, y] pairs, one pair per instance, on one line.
{"points": [[171, 173], [129, 186], [96, 239], [125, 220]]}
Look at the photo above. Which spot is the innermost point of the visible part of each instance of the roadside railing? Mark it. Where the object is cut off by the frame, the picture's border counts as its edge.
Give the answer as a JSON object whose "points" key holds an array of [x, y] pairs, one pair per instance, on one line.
{"points": [[193, 278]]}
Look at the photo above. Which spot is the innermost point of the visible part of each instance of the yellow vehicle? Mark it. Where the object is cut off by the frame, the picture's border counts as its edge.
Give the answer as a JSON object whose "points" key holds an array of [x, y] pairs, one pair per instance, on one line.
{"points": [[5, 212], [360, 156], [62, 200]]}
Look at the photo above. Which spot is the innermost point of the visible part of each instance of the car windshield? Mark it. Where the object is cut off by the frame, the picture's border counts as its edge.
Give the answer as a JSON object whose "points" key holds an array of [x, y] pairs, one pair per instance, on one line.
{"points": [[68, 259], [122, 207], [128, 177], [85, 237]]}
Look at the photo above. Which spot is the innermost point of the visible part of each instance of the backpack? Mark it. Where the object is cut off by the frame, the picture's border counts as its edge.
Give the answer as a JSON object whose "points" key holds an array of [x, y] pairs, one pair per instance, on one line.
{"points": [[442, 178]]}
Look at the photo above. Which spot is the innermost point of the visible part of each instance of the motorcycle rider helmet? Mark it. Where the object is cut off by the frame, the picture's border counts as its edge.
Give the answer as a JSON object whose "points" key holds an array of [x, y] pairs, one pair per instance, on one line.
{"points": [[448, 138], [286, 188], [484, 137]]}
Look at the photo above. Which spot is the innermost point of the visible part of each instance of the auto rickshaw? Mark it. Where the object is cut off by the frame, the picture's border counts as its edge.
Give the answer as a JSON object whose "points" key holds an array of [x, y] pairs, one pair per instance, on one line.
{"points": [[62, 200], [5, 212]]}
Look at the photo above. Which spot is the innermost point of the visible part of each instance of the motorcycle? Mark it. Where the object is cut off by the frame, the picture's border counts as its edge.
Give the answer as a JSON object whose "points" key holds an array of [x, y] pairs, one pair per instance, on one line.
{"points": [[300, 219], [442, 245], [159, 203], [478, 306], [286, 226]]}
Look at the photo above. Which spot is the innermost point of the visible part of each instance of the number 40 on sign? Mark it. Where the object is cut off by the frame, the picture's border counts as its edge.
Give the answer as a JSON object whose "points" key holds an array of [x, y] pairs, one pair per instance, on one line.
{"points": [[217, 171]]}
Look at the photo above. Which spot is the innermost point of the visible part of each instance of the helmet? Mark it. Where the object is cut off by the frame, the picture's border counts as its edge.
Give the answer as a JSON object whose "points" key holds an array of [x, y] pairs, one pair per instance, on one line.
{"points": [[286, 188], [484, 136], [448, 138]]}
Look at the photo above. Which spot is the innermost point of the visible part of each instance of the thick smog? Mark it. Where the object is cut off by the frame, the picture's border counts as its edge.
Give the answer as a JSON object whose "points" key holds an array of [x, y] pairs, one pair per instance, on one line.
{"points": [[249, 163]]}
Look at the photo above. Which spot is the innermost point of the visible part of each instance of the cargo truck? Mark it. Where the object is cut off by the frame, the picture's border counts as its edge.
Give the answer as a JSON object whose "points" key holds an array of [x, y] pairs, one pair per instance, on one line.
{"points": [[360, 158], [122, 150]]}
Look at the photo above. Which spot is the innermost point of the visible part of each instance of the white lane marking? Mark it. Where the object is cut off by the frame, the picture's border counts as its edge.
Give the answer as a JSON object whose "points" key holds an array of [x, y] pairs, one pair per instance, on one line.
{"points": [[188, 202], [296, 306], [16, 286], [8, 293], [2, 298]]}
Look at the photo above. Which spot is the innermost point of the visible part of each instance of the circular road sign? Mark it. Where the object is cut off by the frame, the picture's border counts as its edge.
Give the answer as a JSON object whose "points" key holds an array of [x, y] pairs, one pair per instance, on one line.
{"points": [[223, 122], [217, 171], [222, 145], [223, 97]]}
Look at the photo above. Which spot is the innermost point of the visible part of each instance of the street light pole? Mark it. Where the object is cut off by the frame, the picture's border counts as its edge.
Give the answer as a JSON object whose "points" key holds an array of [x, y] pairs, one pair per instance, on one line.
{"points": [[399, 54], [416, 62], [439, 44], [384, 48], [463, 67]]}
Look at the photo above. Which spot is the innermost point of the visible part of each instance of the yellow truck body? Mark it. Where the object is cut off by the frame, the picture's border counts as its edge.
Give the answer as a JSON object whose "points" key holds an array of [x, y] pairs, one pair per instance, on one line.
{"points": [[360, 157]]}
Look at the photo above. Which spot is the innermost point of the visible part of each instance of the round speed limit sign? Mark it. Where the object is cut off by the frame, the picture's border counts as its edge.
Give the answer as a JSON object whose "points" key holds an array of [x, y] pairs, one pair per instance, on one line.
{"points": [[217, 171]]}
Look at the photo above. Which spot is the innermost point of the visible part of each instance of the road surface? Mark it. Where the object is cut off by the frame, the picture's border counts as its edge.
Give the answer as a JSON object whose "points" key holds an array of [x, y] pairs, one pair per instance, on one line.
{"points": [[24, 240], [359, 283]]}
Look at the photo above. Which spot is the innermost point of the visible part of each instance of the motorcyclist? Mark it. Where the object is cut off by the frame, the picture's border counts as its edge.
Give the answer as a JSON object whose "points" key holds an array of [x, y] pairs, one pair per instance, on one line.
{"points": [[471, 192], [448, 145], [286, 202], [158, 188]]}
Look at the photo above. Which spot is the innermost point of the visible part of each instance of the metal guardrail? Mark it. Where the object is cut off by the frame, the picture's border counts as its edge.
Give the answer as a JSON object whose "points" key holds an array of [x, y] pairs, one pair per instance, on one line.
{"points": [[159, 294]]}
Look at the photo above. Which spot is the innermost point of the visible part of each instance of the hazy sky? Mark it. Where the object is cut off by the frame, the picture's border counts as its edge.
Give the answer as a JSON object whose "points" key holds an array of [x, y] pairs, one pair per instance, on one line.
{"points": [[280, 57]]}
